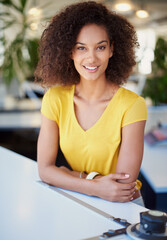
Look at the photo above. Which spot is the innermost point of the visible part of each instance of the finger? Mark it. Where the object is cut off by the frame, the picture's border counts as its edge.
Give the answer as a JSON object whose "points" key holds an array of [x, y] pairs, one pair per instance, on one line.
{"points": [[126, 193], [127, 186], [118, 176], [127, 198], [122, 199]]}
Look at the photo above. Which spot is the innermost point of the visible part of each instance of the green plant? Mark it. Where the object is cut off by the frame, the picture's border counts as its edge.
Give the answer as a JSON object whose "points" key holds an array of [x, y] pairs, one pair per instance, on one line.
{"points": [[20, 47], [156, 85]]}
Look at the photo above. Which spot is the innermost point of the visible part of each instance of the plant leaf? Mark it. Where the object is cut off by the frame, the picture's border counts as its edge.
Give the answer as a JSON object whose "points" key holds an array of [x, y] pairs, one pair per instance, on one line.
{"points": [[4, 14], [7, 24]]}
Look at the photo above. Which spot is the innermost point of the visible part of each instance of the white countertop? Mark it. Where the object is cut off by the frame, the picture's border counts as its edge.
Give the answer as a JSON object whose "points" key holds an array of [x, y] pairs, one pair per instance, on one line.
{"points": [[31, 210]]}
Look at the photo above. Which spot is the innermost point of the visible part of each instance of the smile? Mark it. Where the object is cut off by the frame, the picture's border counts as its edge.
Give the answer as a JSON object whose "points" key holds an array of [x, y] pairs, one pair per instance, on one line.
{"points": [[91, 69]]}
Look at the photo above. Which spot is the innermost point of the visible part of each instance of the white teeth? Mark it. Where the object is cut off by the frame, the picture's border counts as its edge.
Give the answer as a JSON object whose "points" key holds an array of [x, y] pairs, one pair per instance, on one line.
{"points": [[91, 68]]}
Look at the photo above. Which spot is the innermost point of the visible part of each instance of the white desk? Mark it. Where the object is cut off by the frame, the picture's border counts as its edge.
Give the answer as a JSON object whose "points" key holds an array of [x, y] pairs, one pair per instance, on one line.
{"points": [[154, 170], [31, 210]]}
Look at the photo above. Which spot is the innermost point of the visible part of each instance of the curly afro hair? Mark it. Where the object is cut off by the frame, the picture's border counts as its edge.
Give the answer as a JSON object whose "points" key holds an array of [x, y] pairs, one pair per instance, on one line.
{"points": [[55, 65]]}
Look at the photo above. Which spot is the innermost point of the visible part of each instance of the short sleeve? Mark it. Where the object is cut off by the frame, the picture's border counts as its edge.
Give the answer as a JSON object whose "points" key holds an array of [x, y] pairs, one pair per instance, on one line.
{"points": [[49, 107], [136, 112]]}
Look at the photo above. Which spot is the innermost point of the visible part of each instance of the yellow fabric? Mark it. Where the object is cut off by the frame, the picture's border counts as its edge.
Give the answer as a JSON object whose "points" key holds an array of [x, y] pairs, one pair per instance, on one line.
{"points": [[97, 148], [138, 185]]}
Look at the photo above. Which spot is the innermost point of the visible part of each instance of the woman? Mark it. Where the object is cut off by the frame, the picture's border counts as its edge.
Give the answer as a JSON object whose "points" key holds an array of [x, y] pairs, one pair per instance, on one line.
{"points": [[86, 54]]}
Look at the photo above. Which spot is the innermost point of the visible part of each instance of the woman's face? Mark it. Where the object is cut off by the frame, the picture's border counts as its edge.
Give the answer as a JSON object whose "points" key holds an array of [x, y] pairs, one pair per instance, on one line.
{"points": [[92, 52]]}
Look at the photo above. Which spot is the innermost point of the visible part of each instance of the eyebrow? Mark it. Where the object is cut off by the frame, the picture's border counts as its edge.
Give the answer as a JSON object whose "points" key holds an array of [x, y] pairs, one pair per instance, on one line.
{"points": [[97, 43]]}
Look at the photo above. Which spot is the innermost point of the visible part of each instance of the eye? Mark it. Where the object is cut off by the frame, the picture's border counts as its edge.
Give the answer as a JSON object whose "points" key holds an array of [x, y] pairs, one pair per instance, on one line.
{"points": [[102, 47], [80, 48]]}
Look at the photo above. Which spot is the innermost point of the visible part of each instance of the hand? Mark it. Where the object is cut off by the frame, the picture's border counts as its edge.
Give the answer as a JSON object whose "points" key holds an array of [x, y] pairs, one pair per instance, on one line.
{"points": [[108, 188]]}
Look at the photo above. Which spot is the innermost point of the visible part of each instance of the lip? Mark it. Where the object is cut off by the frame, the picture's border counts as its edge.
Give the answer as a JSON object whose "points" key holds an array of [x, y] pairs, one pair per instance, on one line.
{"points": [[91, 69]]}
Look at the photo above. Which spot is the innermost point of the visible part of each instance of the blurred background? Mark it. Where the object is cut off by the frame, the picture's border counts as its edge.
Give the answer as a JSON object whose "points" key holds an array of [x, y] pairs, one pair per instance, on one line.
{"points": [[21, 25]]}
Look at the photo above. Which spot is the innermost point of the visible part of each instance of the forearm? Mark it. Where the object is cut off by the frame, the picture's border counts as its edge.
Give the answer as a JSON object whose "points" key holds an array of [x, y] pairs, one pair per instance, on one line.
{"points": [[74, 173], [102, 186], [66, 179]]}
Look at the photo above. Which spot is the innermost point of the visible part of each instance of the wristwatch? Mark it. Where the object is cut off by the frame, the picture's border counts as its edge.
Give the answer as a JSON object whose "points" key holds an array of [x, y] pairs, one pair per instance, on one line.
{"points": [[92, 175]]}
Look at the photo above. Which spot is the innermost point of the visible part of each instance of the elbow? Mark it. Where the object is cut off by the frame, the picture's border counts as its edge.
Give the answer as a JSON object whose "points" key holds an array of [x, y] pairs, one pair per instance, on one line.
{"points": [[43, 174]]}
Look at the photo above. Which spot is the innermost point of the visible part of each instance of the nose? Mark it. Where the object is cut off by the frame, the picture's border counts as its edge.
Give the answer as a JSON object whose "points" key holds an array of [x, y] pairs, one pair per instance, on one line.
{"points": [[91, 56]]}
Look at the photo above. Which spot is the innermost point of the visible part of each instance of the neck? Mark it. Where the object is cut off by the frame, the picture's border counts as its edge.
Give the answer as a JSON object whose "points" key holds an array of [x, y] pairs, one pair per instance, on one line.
{"points": [[92, 91]]}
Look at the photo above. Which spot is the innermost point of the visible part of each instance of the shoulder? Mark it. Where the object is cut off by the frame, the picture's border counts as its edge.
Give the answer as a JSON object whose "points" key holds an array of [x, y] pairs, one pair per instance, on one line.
{"points": [[59, 92], [55, 99], [128, 94], [128, 98], [133, 107], [57, 95]]}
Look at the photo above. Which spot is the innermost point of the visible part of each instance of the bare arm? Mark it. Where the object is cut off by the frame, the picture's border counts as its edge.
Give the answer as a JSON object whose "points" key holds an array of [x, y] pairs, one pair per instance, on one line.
{"points": [[46, 156], [131, 151], [129, 160]]}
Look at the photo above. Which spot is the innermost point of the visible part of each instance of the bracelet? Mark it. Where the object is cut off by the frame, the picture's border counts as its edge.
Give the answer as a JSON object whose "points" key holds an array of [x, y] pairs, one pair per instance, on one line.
{"points": [[92, 175], [80, 176], [138, 185]]}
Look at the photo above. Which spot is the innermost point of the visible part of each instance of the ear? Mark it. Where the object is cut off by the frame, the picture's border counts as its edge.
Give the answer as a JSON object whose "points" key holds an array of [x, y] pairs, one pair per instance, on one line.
{"points": [[111, 49]]}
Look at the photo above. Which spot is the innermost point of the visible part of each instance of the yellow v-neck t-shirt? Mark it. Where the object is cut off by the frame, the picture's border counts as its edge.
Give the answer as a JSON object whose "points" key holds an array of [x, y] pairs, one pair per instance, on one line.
{"points": [[97, 148]]}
